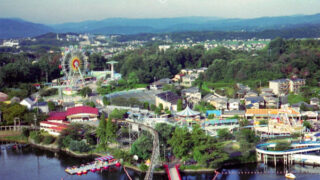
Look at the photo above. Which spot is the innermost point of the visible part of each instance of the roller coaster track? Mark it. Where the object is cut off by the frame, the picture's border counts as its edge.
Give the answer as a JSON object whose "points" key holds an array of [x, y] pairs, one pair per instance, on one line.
{"points": [[155, 149]]}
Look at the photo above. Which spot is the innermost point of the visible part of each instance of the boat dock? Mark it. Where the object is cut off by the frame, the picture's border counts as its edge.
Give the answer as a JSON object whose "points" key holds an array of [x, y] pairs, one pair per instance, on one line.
{"points": [[99, 164]]}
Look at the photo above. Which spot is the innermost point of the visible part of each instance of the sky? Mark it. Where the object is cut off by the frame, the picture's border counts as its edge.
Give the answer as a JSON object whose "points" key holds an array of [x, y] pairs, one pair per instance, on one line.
{"points": [[61, 11]]}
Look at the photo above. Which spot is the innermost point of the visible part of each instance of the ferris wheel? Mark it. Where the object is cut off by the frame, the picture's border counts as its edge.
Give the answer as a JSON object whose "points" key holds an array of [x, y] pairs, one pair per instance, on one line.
{"points": [[74, 65]]}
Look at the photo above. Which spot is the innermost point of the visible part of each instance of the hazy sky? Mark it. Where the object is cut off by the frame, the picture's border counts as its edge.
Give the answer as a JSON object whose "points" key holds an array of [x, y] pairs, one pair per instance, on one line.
{"points": [[59, 11]]}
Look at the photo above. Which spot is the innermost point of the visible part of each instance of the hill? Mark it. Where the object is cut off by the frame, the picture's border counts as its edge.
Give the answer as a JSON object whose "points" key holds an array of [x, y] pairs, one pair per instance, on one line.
{"points": [[17, 28]]}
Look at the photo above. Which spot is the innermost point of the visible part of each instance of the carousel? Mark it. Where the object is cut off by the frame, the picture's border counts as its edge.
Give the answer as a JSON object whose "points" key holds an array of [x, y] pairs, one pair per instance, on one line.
{"points": [[187, 117]]}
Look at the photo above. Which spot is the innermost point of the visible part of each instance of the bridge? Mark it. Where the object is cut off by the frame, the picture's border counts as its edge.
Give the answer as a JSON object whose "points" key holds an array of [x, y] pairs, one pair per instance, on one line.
{"points": [[173, 172], [264, 153], [16, 128]]}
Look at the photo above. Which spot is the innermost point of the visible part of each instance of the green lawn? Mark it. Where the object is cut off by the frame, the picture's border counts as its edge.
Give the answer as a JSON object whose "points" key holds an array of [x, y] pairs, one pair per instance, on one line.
{"points": [[292, 98]]}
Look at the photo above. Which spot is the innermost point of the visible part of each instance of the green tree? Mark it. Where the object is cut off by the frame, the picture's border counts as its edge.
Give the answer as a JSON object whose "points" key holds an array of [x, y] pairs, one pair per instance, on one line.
{"points": [[133, 79], [14, 111], [307, 124], [85, 92], [142, 147], [105, 101], [146, 105], [179, 105], [180, 142], [51, 106], [90, 103], [117, 114], [110, 131], [224, 134], [101, 130]]}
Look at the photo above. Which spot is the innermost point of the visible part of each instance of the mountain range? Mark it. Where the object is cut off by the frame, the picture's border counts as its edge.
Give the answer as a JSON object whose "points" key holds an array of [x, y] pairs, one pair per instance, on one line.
{"points": [[16, 28]]}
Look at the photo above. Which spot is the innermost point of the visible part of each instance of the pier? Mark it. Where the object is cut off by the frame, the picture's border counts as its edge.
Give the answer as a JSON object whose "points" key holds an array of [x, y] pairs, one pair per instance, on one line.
{"points": [[100, 164]]}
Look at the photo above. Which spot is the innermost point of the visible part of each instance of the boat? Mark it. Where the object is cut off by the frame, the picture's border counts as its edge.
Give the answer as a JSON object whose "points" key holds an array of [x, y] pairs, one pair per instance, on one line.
{"points": [[84, 172], [105, 167], [79, 173], [290, 176], [93, 170]]}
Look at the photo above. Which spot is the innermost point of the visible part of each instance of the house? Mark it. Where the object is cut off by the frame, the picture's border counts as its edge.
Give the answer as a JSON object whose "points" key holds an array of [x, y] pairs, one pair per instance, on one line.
{"points": [[42, 106], [234, 104], [3, 97], [314, 101], [82, 114], [193, 95], [284, 103], [251, 94], [219, 103], [168, 100], [178, 77], [300, 104], [160, 83], [188, 79], [266, 91], [28, 102], [271, 102], [254, 102]]}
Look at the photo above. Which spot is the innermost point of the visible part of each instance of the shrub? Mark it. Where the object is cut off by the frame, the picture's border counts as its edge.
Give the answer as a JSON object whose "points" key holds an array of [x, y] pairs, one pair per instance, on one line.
{"points": [[26, 132], [143, 167], [48, 139], [78, 146]]}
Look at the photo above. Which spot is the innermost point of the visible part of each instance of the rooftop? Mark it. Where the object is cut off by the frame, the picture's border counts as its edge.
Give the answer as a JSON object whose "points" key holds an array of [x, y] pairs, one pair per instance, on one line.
{"points": [[169, 97], [271, 111], [81, 110]]}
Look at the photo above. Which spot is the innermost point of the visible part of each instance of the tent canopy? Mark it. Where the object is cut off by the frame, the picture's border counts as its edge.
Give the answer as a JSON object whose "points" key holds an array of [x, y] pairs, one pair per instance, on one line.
{"points": [[187, 112], [105, 158]]}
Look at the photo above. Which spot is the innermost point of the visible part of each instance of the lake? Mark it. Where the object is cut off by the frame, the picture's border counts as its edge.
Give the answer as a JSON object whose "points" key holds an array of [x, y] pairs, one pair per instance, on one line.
{"points": [[37, 164]]}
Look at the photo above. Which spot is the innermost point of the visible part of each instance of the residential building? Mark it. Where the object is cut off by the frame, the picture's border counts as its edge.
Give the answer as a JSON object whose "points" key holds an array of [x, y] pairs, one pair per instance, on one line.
{"points": [[193, 95], [271, 102], [284, 86], [296, 84], [256, 102], [188, 79], [42, 106], [168, 100], [28, 102], [314, 101], [219, 103], [234, 104], [160, 83]]}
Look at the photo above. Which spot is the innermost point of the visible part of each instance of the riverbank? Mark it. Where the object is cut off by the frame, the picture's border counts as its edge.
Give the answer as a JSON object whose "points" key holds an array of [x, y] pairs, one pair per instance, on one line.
{"points": [[19, 138]]}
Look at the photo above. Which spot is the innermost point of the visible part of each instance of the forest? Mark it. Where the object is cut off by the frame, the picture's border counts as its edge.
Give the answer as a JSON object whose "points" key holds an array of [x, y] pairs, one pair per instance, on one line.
{"points": [[280, 59]]}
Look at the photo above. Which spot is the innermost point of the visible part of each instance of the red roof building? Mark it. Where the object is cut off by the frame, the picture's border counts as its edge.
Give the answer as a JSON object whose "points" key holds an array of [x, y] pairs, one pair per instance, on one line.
{"points": [[58, 116], [82, 113]]}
